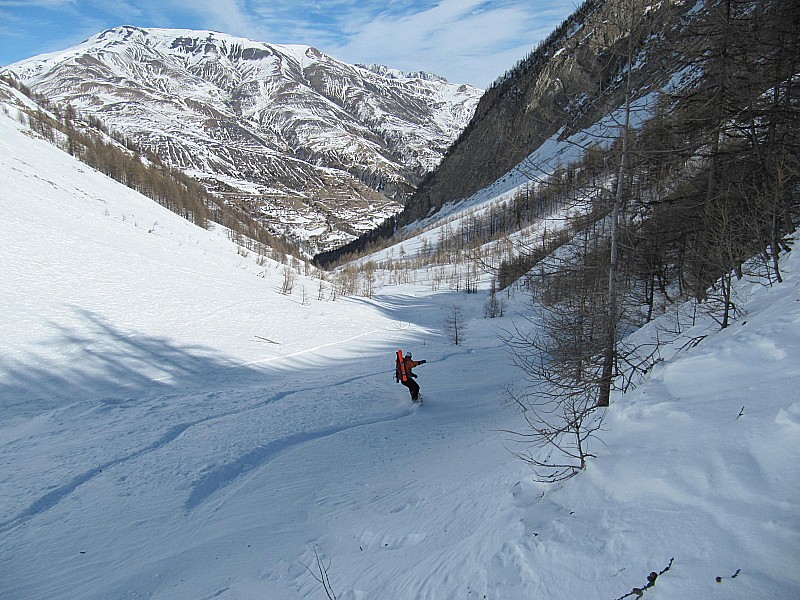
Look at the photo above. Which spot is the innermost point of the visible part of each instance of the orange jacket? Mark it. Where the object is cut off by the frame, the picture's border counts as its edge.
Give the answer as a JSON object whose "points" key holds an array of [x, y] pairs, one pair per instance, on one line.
{"points": [[410, 364]]}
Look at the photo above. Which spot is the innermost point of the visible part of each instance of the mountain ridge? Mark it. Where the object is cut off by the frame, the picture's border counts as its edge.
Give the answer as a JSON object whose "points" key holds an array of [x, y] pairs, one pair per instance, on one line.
{"points": [[318, 149]]}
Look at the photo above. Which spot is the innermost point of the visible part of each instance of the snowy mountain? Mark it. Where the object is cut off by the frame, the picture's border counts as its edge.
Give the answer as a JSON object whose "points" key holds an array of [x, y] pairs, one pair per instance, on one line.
{"points": [[173, 427], [319, 149]]}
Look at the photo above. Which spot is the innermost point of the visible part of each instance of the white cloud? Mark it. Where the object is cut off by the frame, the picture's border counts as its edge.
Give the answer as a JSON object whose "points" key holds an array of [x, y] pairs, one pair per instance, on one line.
{"points": [[37, 3], [471, 41], [227, 16], [467, 41], [118, 8]]}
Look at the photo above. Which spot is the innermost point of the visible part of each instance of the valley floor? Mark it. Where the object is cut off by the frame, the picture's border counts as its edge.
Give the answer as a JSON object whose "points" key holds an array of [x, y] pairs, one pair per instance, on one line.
{"points": [[225, 486], [174, 428], [228, 483]]}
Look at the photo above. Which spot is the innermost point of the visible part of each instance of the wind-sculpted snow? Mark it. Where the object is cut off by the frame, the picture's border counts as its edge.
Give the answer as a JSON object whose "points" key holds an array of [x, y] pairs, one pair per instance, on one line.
{"points": [[213, 479]]}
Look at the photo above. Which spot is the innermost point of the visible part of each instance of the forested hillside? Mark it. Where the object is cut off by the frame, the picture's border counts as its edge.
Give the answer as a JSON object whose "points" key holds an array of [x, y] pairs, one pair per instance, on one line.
{"points": [[608, 52], [91, 142], [675, 175], [694, 138]]}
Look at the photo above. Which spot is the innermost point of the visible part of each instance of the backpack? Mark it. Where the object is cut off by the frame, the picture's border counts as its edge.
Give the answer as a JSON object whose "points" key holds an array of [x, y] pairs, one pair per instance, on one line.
{"points": [[400, 368]]}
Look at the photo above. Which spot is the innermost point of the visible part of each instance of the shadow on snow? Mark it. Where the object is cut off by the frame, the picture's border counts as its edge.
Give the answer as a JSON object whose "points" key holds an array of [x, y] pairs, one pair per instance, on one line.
{"points": [[111, 367], [108, 364]]}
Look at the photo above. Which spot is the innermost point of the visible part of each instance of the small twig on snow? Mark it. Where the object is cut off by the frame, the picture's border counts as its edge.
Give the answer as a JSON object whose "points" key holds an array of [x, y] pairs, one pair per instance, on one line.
{"points": [[734, 576], [651, 581], [322, 575]]}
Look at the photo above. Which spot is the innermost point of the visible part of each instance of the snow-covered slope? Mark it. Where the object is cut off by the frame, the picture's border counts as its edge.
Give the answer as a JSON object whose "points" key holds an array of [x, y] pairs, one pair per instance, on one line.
{"points": [[172, 427], [307, 142]]}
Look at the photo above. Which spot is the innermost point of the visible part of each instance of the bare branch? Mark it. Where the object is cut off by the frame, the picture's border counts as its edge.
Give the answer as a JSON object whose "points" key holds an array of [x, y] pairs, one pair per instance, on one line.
{"points": [[651, 581], [321, 575]]}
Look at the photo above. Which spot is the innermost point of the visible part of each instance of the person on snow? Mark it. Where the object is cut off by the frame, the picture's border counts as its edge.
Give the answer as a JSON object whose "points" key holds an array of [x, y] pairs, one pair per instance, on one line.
{"points": [[406, 376]]}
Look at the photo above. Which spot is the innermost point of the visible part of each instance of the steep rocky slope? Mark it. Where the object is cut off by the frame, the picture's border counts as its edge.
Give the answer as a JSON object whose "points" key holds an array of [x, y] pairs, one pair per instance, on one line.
{"points": [[570, 81]]}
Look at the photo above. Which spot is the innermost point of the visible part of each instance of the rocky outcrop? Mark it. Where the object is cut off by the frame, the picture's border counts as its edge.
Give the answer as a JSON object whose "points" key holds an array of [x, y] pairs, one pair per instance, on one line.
{"points": [[570, 81]]}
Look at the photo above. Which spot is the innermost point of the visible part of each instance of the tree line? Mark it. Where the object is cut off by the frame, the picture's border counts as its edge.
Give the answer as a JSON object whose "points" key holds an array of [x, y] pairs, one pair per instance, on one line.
{"points": [[703, 191], [90, 141]]}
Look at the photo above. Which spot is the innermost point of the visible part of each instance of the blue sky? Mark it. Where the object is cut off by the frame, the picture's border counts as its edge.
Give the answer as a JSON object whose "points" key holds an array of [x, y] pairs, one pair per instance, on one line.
{"points": [[466, 41]]}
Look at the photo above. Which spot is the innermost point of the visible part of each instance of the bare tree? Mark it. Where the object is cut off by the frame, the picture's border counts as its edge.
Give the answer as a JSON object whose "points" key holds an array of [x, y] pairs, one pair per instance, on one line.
{"points": [[288, 280], [455, 325], [494, 306], [561, 352], [368, 278], [559, 402], [322, 280]]}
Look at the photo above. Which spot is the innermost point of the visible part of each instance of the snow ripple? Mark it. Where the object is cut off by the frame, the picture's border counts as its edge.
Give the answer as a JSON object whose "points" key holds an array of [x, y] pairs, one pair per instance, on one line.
{"points": [[216, 478], [56, 495]]}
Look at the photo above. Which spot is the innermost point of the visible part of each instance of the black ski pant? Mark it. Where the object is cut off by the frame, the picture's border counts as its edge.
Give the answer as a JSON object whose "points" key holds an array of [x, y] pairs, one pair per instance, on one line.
{"points": [[413, 387]]}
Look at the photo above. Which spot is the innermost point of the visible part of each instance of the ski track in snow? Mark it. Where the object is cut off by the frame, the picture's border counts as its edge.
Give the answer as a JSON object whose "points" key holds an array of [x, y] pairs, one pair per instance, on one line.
{"points": [[213, 479], [55, 496], [308, 350], [220, 476]]}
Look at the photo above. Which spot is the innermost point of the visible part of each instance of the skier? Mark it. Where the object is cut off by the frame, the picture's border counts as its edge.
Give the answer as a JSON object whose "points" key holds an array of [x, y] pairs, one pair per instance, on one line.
{"points": [[405, 375]]}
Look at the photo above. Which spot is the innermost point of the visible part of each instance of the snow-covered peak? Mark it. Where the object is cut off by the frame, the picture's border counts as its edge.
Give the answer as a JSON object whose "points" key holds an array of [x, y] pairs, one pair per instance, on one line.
{"points": [[331, 149], [385, 71]]}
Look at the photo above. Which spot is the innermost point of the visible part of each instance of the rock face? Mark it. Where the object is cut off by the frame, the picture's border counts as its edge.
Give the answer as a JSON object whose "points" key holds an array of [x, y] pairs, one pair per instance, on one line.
{"points": [[571, 80], [319, 149]]}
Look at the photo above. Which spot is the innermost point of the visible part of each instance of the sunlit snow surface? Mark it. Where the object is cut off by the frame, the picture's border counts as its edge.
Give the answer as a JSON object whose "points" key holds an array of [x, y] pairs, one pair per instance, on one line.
{"points": [[173, 427]]}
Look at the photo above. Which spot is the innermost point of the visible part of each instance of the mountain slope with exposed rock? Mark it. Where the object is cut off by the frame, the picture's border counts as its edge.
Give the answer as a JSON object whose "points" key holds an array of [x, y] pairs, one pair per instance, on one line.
{"points": [[318, 149], [569, 82]]}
